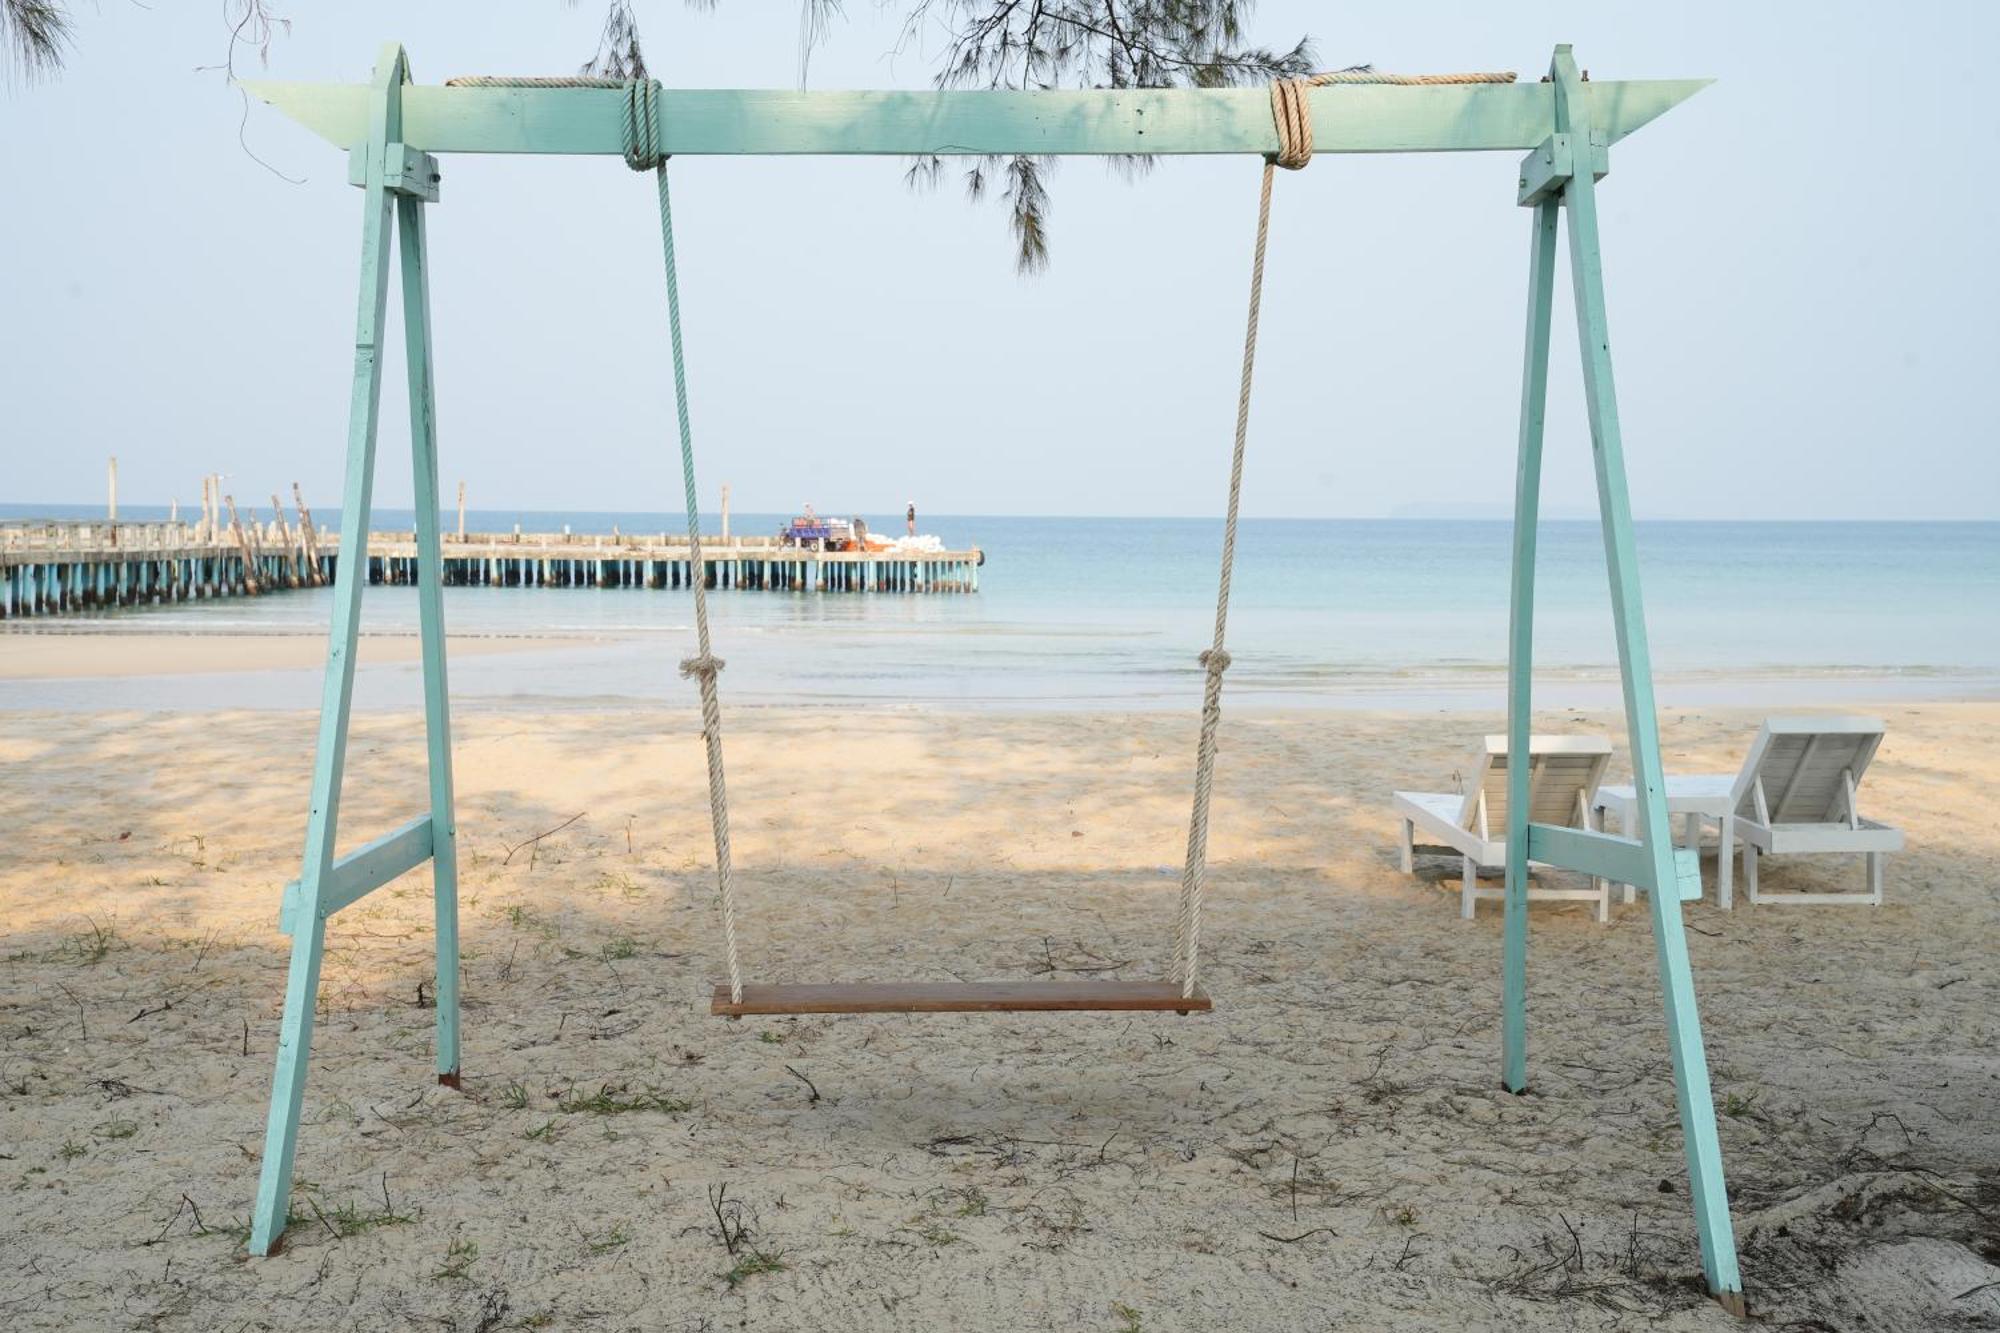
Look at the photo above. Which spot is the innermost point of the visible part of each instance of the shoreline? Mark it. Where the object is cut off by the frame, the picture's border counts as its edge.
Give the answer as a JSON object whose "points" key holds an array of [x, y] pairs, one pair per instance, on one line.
{"points": [[74, 669], [88, 654]]}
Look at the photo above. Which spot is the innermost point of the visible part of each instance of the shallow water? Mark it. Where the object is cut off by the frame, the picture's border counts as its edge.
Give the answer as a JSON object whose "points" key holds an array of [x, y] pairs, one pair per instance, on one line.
{"points": [[1110, 613]]}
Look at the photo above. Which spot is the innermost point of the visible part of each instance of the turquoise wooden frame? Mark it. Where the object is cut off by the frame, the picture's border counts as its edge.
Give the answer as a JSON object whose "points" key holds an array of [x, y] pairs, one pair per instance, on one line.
{"points": [[392, 128]]}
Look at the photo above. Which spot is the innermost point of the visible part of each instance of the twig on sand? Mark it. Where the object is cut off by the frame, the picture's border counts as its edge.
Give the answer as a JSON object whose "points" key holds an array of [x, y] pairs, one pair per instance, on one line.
{"points": [[1565, 1260], [186, 1205], [1079, 960], [1877, 1118], [79, 1009], [539, 836], [1293, 1240], [730, 1228], [808, 1082], [118, 1087]]}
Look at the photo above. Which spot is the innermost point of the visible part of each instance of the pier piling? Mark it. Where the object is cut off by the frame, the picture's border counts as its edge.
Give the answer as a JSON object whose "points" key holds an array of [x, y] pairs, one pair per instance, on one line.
{"points": [[51, 567]]}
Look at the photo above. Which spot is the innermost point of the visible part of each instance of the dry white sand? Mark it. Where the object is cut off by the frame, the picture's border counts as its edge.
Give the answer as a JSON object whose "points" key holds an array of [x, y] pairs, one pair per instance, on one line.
{"points": [[1329, 1149]]}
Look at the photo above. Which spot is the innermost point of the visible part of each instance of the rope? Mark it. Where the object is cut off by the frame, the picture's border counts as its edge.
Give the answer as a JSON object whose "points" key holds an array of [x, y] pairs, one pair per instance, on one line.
{"points": [[1291, 103], [1215, 661], [1408, 80], [1291, 109], [534, 81], [642, 153], [1291, 112], [642, 143]]}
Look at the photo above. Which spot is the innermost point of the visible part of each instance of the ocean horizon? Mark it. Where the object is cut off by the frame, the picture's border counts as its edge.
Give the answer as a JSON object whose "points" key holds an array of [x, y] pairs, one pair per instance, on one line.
{"points": [[1111, 612]]}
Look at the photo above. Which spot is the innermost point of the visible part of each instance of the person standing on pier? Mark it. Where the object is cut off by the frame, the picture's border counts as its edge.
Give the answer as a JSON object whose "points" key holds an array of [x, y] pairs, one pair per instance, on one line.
{"points": [[910, 519]]}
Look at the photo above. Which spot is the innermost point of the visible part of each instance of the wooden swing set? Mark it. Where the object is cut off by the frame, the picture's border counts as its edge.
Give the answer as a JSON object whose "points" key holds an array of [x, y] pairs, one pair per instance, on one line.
{"points": [[392, 130]]}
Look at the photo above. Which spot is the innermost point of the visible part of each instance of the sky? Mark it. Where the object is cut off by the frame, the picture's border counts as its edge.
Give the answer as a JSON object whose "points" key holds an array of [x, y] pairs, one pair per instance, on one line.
{"points": [[1799, 261]]}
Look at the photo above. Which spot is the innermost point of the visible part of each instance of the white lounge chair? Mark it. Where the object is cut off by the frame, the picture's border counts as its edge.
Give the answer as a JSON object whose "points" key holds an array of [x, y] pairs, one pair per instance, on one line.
{"points": [[1796, 793], [1563, 773]]}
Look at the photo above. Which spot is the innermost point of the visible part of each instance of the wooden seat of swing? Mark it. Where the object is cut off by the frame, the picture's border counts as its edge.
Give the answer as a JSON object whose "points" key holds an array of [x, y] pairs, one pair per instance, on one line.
{"points": [[959, 997]]}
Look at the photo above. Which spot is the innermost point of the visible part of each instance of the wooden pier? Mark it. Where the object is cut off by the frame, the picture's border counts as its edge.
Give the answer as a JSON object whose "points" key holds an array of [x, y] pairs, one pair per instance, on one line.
{"points": [[51, 567]]}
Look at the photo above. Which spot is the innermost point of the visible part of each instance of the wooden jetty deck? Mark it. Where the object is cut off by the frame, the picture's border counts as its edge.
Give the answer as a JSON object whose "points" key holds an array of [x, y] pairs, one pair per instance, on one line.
{"points": [[52, 567]]}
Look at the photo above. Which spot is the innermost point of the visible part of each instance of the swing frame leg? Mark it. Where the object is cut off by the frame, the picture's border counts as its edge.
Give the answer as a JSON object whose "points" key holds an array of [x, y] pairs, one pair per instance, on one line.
{"points": [[396, 181], [1564, 171], [1520, 649], [415, 257]]}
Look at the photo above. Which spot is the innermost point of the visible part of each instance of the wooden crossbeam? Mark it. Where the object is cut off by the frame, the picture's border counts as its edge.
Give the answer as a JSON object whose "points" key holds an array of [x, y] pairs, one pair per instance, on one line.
{"points": [[1353, 118], [960, 997]]}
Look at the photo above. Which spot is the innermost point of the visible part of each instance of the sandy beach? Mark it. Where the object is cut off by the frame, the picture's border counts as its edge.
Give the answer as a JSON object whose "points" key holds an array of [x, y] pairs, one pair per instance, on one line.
{"points": [[1329, 1149]]}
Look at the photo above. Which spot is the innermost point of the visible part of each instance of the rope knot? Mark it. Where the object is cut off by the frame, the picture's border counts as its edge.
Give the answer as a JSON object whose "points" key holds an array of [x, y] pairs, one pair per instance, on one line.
{"points": [[1291, 109], [1291, 103], [1215, 661], [642, 125], [704, 667]]}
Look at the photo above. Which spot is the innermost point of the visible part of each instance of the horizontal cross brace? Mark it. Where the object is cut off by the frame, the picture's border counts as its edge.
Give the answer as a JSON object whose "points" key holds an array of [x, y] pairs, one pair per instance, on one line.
{"points": [[1347, 118], [362, 871], [1608, 856], [1687, 873]]}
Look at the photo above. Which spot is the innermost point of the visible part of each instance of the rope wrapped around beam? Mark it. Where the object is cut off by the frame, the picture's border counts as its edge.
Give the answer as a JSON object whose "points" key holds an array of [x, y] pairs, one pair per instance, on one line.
{"points": [[642, 127], [1291, 103], [535, 81]]}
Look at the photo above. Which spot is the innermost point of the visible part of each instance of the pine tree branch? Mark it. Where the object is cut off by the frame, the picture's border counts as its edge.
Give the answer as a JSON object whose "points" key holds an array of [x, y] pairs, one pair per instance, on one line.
{"points": [[37, 33], [1038, 44]]}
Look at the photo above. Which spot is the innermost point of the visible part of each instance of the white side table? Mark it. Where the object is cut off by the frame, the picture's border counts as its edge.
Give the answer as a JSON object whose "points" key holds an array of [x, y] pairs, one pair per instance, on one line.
{"points": [[1691, 798]]}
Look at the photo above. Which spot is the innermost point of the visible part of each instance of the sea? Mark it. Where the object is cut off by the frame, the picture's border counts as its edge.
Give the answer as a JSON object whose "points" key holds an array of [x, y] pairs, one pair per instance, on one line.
{"points": [[1110, 613]]}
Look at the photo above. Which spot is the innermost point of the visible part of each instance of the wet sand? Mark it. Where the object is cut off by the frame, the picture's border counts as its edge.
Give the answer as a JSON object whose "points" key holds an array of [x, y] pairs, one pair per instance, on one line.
{"points": [[28, 655]]}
